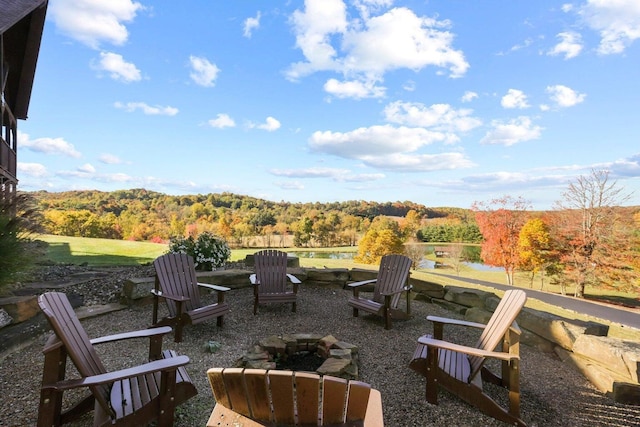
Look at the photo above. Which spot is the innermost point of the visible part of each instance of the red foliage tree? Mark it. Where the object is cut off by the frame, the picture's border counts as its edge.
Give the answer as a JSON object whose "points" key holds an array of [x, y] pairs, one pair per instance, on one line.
{"points": [[500, 222]]}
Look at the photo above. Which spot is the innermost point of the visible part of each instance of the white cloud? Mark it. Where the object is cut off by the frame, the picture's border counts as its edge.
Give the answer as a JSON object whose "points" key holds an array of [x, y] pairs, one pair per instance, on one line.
{"points": [[441, 117], [289, 185], [373, 141], [512, 132], [617, 22], [87, 168], [35, 170], [117, 67], [251, 24], [388, 147], [94, 21], [109, 159], [48, 145], [310, 172], [114, 177], [409, 86], [468, 96], [570, 45], [270, 125], [525, 44], [419, 162], [204, 73], [91, 175], [564, 96], [354, 89], [514, 99], [147, 109], [222, 121], [342, 175], [364, 48]]}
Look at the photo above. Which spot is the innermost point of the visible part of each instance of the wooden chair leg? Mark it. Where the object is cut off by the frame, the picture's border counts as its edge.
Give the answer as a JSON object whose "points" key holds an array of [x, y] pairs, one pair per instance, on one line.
{"points": [[387, 312], [179, 322], [220, 321], [167, 399], [293, 307], [514, 388], [432, 373], [55, 362]]}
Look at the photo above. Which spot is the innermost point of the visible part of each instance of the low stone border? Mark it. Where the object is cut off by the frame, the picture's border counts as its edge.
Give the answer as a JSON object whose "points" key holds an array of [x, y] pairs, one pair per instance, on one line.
{"points": [[341, 358]]}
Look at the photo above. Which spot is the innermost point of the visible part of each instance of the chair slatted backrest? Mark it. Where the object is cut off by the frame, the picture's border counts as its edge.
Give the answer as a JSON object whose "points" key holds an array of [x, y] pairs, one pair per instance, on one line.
{"points": [[67, 327], [499, 323], [176, 275], [289, 398], [271, 271], [392, 277]]}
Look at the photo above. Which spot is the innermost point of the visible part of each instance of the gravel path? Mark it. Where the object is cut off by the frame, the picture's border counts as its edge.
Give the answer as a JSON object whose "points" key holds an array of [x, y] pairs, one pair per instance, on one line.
{"points": [[552, 393]]}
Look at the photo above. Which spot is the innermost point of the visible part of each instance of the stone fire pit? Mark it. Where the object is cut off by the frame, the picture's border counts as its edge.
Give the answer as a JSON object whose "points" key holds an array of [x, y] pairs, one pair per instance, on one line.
{"points": [[340, 358]]}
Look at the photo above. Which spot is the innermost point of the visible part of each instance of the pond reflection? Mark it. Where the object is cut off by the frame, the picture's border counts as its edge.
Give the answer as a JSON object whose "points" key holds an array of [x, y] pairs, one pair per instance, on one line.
{"points": [[424, 264]]}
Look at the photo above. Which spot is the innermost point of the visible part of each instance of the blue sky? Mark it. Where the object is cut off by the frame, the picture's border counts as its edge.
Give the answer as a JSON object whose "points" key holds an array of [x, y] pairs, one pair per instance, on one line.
{"points": [[439, 102]]}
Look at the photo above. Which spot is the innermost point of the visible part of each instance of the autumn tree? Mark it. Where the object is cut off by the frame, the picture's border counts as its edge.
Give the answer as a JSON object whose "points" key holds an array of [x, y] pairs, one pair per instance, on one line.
{"points": [[411, 224], [534, 244], [500, 222], [595, 242], [456, 257], [415, 252], [302, 231], [383, 237]]}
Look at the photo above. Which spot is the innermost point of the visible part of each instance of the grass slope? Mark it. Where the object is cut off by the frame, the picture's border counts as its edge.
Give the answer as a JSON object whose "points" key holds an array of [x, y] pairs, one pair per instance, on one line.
{"points": [[100, 252]]}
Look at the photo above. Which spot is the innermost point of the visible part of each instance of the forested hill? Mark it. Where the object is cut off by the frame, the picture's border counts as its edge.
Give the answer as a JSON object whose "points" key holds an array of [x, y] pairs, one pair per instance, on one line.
{"points": [[140, 214]]}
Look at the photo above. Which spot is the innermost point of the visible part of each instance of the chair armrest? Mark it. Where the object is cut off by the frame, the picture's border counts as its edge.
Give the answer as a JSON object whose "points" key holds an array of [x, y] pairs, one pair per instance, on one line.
{"points": [[254, 279], [217, 288], [168, 364], [177, 298], [471, 351], [143, 333], [364, 282], [447, 321], [293, 278], [403, 289]]}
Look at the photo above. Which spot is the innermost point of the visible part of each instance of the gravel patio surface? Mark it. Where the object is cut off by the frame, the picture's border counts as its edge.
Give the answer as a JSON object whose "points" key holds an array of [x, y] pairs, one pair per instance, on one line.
{"points": [[552, 394]]}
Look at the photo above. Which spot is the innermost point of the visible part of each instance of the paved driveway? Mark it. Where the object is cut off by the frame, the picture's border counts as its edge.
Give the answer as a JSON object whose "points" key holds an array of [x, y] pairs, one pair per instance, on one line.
{"points": [[627, 317]]}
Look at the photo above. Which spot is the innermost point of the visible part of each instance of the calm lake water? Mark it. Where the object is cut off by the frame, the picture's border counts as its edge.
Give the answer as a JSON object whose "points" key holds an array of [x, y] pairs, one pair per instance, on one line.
{"points": [[425, 263]]}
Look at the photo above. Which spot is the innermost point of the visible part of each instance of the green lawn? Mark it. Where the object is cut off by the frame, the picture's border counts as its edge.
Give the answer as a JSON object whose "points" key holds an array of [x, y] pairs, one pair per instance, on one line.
{"points": [[100, 252]]}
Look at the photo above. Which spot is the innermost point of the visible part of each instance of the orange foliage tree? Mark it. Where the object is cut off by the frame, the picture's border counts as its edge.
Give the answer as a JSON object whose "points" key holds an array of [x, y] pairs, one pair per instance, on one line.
{"points": [[595, 241], [500, 222]]}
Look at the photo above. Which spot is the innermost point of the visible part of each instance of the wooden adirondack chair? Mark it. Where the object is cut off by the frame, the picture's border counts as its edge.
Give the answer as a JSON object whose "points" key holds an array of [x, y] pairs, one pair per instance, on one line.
{"points": [[461, 370], [177, 283], [127, 397], [256, 397], [392, 280], [270, 280]]}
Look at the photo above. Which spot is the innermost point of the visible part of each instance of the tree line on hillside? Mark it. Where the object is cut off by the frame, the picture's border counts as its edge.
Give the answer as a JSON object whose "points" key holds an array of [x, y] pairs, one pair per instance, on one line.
{"points": [[144, 215]]}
